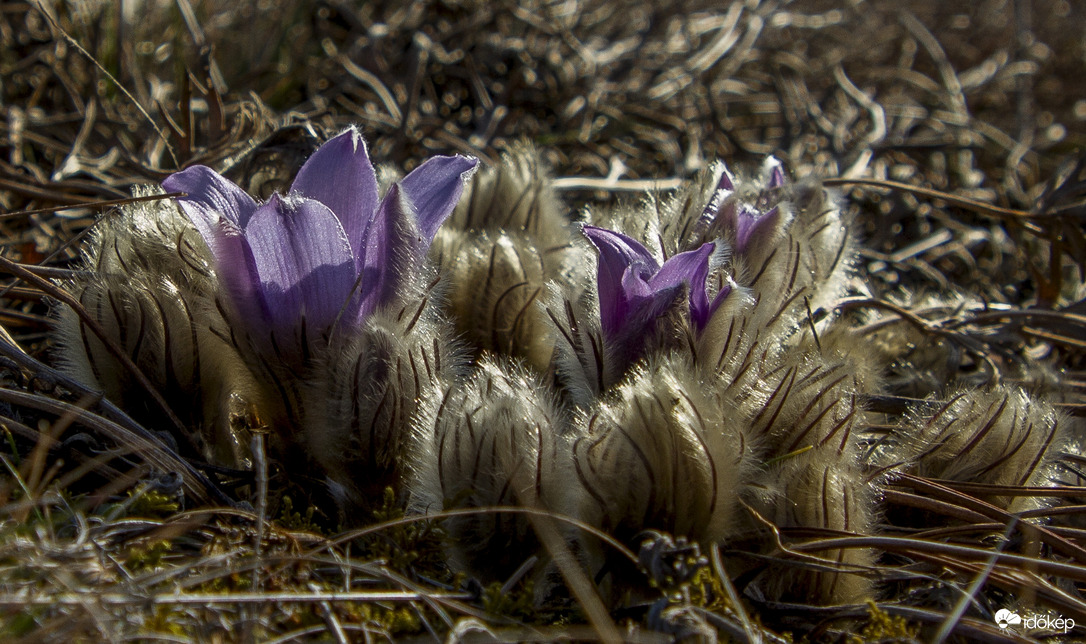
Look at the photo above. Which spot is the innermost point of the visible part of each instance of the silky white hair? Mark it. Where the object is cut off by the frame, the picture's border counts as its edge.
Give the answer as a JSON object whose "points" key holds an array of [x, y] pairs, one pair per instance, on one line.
{"points": [[509, 238], [999, 436], [366, 390], [147, 279], [662, 451], [495, 440]]}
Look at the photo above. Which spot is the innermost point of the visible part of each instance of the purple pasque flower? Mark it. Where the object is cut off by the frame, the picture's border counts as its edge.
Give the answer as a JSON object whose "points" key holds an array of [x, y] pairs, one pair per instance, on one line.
{"points": [[330, 251], [744, 223], [634, 290]]}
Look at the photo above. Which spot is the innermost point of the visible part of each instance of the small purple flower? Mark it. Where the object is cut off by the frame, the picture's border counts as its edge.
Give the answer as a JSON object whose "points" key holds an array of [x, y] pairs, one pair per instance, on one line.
{"points": [[749, 224], [330, 251], [634, 289], [742, 223]]}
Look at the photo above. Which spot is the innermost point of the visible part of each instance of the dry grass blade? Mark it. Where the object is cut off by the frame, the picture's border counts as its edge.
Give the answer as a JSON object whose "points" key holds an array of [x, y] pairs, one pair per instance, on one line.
{"points": [[90, 204], [45, 11], [1063, 546], [955, 616], [953, 556], [96, 328], [201, 599], [962, 202], [163, 459]]}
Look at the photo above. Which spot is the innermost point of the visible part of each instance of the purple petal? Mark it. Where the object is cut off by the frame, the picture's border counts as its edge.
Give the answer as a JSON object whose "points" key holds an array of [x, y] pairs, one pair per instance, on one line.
{"points": [[304, 260], [721, 295], [690, 268], [634, 295], [725, 188], [775, 171], [341, 176], [619, 249], [745, 218], [392, 249], [621, 260], [727, 179], [751, 226], [210, 196], [434, 189], [636, 283], [626, 338], [236, 269]]}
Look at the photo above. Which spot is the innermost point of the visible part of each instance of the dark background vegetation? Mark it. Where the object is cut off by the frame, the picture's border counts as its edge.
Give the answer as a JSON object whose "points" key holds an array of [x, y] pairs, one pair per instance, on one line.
{"points": [[982, 100]]}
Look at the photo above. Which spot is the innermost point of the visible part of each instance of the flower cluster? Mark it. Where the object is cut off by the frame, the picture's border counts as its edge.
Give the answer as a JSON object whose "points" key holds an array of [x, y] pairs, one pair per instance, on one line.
{"points": [[684, 386]]}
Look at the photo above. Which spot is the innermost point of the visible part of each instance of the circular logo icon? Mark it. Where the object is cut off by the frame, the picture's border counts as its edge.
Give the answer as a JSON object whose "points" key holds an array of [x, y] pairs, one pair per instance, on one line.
{"points": [[1005, 618]]}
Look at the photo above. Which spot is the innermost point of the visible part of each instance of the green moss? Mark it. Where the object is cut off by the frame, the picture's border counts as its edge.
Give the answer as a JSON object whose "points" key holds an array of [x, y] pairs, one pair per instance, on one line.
{"points": [[150, 503], [166, 619], [884, 626], [147, 556], [294, 520], [519, 603], [706, 590], [18, 625], [401, 620], [411, 545]]}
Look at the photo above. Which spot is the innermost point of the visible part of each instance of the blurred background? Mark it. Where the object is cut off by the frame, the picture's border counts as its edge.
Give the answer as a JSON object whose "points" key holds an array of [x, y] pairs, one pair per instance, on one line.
{"points": [[983, 101]]}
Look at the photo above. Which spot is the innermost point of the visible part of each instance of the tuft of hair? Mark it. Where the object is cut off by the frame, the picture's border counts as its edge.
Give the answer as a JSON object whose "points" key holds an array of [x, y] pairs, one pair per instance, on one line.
{"points": [[496, 440], [579, 354], [823, 489], [812, 257], [803, 265], [811, 424], [663, 452], [147, 280], [802, 405], [364, 392], [506, 240], [516, 197], [1000, 436], [496, 282]]}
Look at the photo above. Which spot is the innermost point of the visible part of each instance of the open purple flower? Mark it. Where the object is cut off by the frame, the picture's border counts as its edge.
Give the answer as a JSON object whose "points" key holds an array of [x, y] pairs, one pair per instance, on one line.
{"points": [[329, 251], [634, 290]]}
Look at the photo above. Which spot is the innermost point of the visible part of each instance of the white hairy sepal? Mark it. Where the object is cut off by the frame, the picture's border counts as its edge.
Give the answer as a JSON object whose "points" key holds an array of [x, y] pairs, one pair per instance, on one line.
{"points": [[516, 197], [496, 282], [663, 452], [1001, 436], [495, 440], [146, 278], [802, 402], [579, 355], [806, 268], [805, 262], [364, 392], [821, 489], [509, 237]]}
